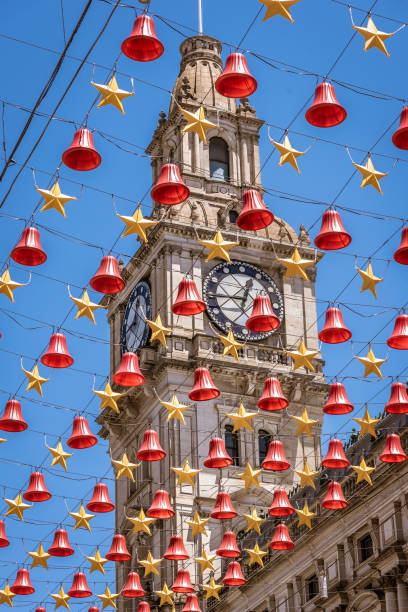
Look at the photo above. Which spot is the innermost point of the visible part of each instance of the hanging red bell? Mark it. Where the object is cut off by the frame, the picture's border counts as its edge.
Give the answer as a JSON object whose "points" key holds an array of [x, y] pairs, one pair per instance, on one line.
{"points": [[150, 449], [393, 452], [61, 546], [272, 397], [12, 418], [223, 508], [281, 539], [275, 460], [337, 402], [3, 538], [335, 458], [161, 507], [143, 607], [204, 388], [191, 604], [334, 498], [398, 402], [217, 455], [400, 136], [170, 188], [176, 551], [401, 254], [326, 111], [100, 501], [228, 546], [41, 609], [182, 583], [142, 45], [129, 374], [93, 609], [81, 436], [29, 252], [281, 505], [254, 214], [332, 234], [233, 575], [262, 318], [118, 550], [37, 491], [334, 330], [107, 279], [399, 336], [57, 355], [82, 155], [79, 587], [22, 584], [133, 588], [236, 81], [188, 301]]}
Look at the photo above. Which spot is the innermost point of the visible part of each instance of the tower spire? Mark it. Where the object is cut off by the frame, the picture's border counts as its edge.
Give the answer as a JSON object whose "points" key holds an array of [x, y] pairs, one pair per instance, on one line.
{"points": [[200, 17]]}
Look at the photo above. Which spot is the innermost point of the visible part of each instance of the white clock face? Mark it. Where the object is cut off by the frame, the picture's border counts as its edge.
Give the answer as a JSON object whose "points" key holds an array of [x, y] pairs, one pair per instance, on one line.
{"points": [[135, 330]]}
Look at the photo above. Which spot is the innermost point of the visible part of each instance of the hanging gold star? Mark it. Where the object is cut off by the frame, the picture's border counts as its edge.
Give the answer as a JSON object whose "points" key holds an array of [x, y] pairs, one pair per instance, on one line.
{"points": [[373, 37], [7, 286], [367, 424], [35, 381], [363, 472], [296, 266], [59, 456], [61, 599], [278, 7], [218, 247], [304, 423], [137, 224], [370, 175], [165, 595], [255, 555], [231, 346], [82, 518], [55, 199], [175, 409], [306, 476], [124, 467], [287, 153], [186, 474], [198, 524], [97, 562], [39, 557], [108, 398], [250, 476], [371, 363], [6, 596], [254, 521], [305, 516], [141, 522], [17, 507], [302, 357], [196, 122], [85, 307], [111, 94], [212, 589], [108, 599], [242, 418], [150, 564], [369, 280], [205, 561], [159, 332]]}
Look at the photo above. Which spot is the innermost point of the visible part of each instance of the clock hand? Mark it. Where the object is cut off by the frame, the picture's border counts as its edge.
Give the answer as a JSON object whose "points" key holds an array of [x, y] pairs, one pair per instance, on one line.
{"points": [[224, 295]]}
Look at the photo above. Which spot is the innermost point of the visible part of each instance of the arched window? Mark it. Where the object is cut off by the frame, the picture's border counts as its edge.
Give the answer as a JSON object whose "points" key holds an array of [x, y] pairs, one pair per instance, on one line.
{"points": [[232, 216], [264, 439], [232, 444], [219, 160]]}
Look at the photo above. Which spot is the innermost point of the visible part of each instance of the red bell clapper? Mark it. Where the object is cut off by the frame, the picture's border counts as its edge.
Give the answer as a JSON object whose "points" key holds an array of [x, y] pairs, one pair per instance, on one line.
{"points": [[332, 233], [335, 458], [334, 330], [60, 546], [281, 505], [204, 388], [4, 541], [233, 575], [393, 452], [228, 547], [275, 460], [334, 498], [170, 188], [129, 374], [150, 449], [188, 301], [217, 455], [281, 539], [191, 604], [401, 254], [107, 279], [254, 214], [236, 81], [133, 588], [223, 508], [398, 402], [337, 402], [79, 587], [400, 136], [37, 491], [326, 111], [142, 45], [22, 584], [81, 436], [29, 252], [176, 551], [57, 355], [399, 336], [182, 583], [118, 550], [161, 507], [100, 501], [262, 318], [12, 418], [82, 155], [272, 397]]}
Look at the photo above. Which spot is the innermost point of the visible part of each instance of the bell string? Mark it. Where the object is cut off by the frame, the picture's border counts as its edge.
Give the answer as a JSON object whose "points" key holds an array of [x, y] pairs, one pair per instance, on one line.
{"points": [[310, 146]]}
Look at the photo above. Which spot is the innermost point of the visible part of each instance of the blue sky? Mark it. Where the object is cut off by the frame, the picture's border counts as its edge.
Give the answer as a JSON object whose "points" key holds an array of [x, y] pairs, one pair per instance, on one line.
{"points": [[322, 29]]}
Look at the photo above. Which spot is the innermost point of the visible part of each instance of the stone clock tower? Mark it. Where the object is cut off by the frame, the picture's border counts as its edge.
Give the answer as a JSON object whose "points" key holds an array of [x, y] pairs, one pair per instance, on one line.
{"points": [[217, 174]]}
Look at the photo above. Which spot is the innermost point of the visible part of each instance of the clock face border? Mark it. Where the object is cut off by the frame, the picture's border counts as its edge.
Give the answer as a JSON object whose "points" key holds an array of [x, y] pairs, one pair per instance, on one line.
{"points": [[217, 274], [141, 288]]}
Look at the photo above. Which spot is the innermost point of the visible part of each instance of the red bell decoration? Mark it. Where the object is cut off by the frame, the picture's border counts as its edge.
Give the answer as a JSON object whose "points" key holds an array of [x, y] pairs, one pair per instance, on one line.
{"points": [[399, 336], [337, 402], [133, 588], [236, 81], [41, 609], [332, 234], [37, 491], [82, 155], [118, 550], [93, 609], [29, 252], [80, 586], [61, 546], [12, 419], [334, 330], [129, 374], [223, 508], [182, 583], [400, 136], [217, 455], [281, 539], [142, 45], [393, 452], [228, 547], [81, 436], [275, 460], [57, 355], [100, 501], [191, 604], [401, 254], [143, 607], [262, 318], [170, 188], [161, 507], [107, 279], [335, 458], [176, 550], [398, 402], [272, 397], [233, 575], [254, 214], [3, 538], [22, 584], [204, 388], [325, 111], [150, 449], [334, 498], [281, 505], [188, 301]]}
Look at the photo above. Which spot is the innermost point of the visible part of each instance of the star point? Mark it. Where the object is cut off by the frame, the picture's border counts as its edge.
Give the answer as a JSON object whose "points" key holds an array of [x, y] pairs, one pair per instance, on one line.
{"points": [[363, 472], [278, 7], [371, 363], [82, 518], [150, 565], [288, 155], [141, 523], [6, 595], [39, 557], [17, 507], [198, 524], [242, 418], [212, 589], [305, 516], [35, 381], [218, 247], [85, 307], [302, 357], [205, 561], [306, 476], [159, 331], [250, 477], [97, 562], [367, 424], [108, 598], [59, 456], [111, 94], [373, 38], [369, 280], [124, 467], [296, 266], [166, 595], [255, 555], [186, 474], [108, 398], [176, 410], [370, 175], [7, 285], [253, 521], [53, 198], [137, 224], [304, 423], [196, 122], [61, 599], [231, 346]]}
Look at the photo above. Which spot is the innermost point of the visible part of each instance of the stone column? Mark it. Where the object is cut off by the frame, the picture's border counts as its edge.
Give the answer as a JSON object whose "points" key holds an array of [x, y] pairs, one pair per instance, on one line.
{"points": [[391, 604], [291, 597], [402, 596]]}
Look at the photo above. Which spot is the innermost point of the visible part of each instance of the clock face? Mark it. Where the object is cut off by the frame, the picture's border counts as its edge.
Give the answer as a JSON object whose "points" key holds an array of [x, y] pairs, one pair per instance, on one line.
{"points": [[229, 292], [135, 330]]}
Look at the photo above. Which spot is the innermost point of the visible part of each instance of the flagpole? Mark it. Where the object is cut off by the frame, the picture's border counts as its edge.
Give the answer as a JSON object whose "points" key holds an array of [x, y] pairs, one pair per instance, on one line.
{"points": [[200, 17]]}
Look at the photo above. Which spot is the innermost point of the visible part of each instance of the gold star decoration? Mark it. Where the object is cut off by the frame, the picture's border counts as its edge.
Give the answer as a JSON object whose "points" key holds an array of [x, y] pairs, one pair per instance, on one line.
{"points": [[304, 423], [288, 154], [363, 472], [175, 409], [253, 521], [218, 247], [159, 332], [17, 507], [97, 562], [7, 285], [306, 476], [137, 224], [367, 424], [124, 467], [212, 588], [165, 595], [196, 122], [255, 555], [141, 522], [150, 564], [186, 474], [108, 398], [373, 37], [369, 280], [59, 456], [39, 557], [6, 596], [55, 199], [278, 7], [111, 94], [82, 518], [242, 418], [302, 357], [205, 561], [296, 266], [108, 599], [231, 346], [85, 307], [61, 599], [305, 516], [198, 524], [370, 175], [35, 381], [371, 363], [250, 476]]}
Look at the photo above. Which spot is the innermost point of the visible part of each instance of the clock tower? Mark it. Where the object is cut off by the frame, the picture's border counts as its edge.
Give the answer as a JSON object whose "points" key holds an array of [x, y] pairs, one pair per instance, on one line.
{"points": [[217, 174]]}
